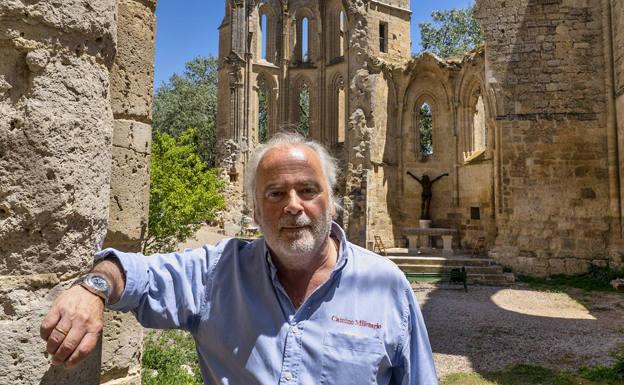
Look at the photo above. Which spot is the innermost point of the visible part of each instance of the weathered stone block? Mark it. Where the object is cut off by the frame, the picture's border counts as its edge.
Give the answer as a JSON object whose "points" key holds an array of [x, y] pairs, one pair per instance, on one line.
{"points": [[576, 266], [133, 70], [54, 209], [121, 346], [22, 350], [129, 197], [132, 135]]}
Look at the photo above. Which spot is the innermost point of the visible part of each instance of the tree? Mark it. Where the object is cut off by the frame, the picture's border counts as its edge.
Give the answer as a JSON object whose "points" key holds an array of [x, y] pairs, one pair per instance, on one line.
{"points": [[426, 125], [303, 126], [188, 101], [452, 33], [263, 115], [184, 192]]}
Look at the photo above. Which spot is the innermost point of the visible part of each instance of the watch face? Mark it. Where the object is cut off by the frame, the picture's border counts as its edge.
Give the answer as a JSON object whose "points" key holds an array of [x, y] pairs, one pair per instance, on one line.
{"points": [[98, 282]]}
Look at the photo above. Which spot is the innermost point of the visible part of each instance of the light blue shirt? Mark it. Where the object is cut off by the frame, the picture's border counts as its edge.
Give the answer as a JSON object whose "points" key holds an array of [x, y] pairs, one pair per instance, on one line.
{"points": [[362, 326]]}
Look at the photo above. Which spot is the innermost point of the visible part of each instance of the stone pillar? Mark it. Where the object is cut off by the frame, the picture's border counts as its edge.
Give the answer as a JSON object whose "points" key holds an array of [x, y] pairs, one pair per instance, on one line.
{"points": [[55, 152], [360, 124], [131, 92]]}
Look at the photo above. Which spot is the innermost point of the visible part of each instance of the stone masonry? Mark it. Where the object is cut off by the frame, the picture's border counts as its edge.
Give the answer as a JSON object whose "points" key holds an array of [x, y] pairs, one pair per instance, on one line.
{"points": [[75, 100], [528, 127]]}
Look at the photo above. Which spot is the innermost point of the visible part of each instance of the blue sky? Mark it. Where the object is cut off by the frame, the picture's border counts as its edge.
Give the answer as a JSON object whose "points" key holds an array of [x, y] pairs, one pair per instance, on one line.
{"points": [[186, 29]]}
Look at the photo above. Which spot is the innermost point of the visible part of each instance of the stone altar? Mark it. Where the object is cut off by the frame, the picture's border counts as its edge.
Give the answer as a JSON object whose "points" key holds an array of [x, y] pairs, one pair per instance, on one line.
{"points": [[424, 234]]}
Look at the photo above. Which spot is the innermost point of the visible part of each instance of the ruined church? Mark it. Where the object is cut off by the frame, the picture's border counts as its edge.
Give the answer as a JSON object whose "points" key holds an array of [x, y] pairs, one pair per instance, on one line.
{"points": [[529, 127]]}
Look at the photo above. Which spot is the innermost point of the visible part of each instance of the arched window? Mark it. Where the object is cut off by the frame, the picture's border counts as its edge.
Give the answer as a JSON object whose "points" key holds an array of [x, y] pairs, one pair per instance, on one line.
{"points": [[305, 31], [479, 131], [342, 112], [425, 130], [263, 111], [337, 112], [263, 38], [303, 104], [268, 31]]}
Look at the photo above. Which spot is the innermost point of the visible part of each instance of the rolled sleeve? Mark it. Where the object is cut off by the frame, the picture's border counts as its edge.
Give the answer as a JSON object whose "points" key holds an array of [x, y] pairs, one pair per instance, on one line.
{"points": [[165, 291], [137, 277]]}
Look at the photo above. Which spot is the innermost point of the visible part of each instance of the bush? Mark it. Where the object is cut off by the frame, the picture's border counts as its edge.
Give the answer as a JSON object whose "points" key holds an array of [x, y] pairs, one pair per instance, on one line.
{"points": [[169, 358], [183, 191]]}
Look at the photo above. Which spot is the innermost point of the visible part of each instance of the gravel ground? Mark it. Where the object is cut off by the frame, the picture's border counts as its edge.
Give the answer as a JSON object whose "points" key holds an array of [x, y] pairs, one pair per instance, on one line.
{"points": [[490, 328]]}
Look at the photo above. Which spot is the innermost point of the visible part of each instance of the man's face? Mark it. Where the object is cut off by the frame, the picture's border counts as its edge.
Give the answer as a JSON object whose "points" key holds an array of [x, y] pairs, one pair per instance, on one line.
{"points": [[293, 206]]}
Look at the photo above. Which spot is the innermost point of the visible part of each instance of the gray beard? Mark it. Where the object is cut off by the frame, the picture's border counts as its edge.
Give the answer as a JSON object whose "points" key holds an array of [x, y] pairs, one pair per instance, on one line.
{"points": [[300, 247]]}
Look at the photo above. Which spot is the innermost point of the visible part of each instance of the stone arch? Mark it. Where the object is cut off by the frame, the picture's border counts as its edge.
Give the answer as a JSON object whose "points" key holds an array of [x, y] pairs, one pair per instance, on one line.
{"points": [[337, 110], [335, 24], [428, 86], [296, 36], [268, 35], [266, 83], [298, 86], [474, 115], [429, 99]]}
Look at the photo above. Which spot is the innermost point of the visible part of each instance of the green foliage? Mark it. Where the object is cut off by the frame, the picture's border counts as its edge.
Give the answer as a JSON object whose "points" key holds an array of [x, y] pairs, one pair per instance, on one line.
{"points": [[169, 358], [527, 375], [189, 101], [596, 279], [426, 126], [303, 127], [263, 123], [183, 191], [452, 33], [607, 375]]}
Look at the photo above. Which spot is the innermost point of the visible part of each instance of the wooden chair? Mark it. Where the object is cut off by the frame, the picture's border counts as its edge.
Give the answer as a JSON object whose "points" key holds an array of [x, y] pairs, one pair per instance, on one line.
{"points": [[379, 246], [479, 247]]}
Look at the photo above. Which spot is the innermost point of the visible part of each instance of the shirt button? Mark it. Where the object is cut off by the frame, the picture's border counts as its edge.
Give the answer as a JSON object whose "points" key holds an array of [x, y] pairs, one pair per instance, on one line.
{"points": [[295, 329], [288, 376]]}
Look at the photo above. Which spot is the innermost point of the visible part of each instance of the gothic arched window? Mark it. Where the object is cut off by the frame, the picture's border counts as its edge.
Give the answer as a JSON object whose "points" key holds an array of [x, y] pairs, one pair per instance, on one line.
{"points": [[425, 130]]}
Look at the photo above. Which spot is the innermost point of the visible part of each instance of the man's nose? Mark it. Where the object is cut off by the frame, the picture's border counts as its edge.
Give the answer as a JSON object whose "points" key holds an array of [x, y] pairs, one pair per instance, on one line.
{"points": [[293, 205]]}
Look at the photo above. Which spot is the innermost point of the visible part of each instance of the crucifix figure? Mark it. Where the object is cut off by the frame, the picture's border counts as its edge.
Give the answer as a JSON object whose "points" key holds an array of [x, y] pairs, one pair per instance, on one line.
{"points": [[427, 192]]}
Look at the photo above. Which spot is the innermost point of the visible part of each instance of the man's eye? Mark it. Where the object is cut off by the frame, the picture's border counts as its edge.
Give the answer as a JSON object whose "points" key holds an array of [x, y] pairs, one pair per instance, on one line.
{"points": [[309, 192], [274, 195]]}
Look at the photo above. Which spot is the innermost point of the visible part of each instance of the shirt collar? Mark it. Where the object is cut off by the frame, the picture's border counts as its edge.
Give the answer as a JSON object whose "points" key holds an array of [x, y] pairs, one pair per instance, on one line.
{"points": [[336, 232]]}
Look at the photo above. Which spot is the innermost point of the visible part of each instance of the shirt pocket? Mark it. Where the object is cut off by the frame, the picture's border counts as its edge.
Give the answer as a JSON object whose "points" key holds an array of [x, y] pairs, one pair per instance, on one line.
{"points": [[350, 359]]}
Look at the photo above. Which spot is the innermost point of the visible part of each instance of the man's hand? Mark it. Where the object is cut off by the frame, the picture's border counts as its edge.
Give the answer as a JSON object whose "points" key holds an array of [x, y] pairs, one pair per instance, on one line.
{"points": [[72, 326]]}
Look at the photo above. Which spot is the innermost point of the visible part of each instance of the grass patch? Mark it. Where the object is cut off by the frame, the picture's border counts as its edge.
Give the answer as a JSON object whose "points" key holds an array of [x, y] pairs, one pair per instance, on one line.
{"points": [[169, 358], [606, 375], [537, 375], [596, 279]]}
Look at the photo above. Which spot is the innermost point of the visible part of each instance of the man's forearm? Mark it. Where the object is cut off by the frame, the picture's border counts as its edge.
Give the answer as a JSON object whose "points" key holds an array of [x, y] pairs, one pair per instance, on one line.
{"points": [[112, 270]]}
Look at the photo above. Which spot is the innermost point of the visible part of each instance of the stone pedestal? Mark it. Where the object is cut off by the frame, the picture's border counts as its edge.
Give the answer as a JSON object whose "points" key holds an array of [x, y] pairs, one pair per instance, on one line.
{"points": [[447, 241]]}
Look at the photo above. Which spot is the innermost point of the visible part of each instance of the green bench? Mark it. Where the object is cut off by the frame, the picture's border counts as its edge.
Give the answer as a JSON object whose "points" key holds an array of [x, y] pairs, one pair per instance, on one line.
{"points": [[453, 276]]}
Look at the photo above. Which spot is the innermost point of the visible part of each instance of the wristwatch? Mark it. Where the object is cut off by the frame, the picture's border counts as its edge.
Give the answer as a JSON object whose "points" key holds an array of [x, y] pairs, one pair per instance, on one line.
{"points": [[96, 284]]}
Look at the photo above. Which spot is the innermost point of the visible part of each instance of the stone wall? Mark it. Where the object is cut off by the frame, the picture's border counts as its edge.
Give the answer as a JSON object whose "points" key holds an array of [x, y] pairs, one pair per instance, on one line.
{"points": [[75, 100], [546, 65], [131, 91]]}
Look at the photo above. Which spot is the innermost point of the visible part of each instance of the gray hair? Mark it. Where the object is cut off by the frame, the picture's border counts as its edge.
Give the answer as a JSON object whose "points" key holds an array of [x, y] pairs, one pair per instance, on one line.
{"points": [[328, 163]]}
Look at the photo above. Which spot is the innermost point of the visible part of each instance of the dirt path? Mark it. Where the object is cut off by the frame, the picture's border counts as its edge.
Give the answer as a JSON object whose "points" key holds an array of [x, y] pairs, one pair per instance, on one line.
{"points": [[490, 328]]}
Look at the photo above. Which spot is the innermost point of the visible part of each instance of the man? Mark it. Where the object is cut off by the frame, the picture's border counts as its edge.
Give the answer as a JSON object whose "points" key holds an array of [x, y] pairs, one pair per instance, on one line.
{"points": [[301, 306]]}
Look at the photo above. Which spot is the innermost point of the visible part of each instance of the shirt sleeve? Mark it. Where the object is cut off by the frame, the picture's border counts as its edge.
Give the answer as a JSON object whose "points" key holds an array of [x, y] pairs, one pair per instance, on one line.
{"points": [[165, 291], [414, 364]]}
